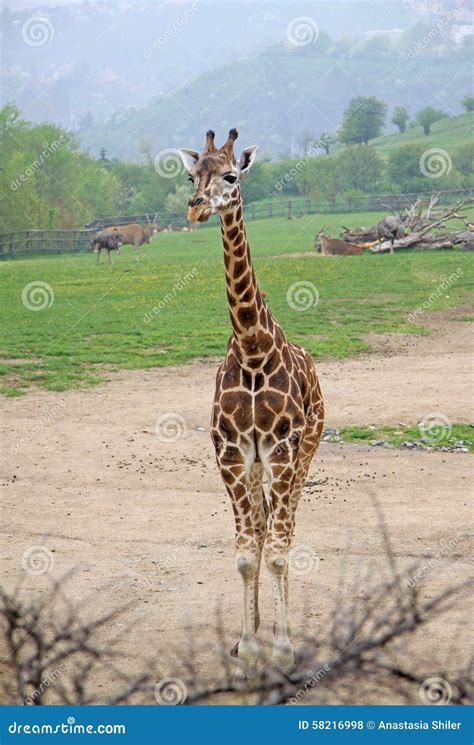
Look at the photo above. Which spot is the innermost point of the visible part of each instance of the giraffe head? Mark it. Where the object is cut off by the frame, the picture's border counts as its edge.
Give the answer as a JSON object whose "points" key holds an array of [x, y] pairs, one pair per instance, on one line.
{"points": [[216, 175]]}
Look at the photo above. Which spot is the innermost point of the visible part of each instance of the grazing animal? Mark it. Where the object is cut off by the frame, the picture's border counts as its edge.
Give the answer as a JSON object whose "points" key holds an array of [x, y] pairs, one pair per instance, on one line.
{"points": [[108, 240], [390, 228], [134, 235], [335, 247], [268, 410]]}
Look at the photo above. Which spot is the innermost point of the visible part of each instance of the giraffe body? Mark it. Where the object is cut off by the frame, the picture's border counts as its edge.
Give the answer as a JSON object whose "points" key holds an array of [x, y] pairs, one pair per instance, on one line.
{"points": [[267, 416]]}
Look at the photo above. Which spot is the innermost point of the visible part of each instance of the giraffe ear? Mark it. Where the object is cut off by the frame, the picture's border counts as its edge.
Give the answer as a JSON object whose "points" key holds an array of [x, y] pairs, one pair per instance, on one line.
{"points": [[189, 157], [247, 158]]}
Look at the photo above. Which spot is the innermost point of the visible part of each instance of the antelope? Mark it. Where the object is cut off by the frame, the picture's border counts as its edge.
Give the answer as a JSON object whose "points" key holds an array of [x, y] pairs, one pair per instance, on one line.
{"points": [[134, 234], [335, 247]]}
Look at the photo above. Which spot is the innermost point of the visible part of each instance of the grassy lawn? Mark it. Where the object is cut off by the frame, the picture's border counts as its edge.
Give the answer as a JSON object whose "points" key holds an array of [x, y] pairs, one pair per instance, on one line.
{"points": [[102, 317], [442, 436]]}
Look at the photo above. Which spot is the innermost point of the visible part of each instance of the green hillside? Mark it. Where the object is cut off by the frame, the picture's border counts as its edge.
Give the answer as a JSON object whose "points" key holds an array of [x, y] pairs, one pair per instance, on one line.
{"points": [[275, 96], [447, 134]]}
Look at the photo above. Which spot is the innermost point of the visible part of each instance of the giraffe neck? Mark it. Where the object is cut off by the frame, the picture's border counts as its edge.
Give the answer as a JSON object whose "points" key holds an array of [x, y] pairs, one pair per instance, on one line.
{"points": [[255, 332]]}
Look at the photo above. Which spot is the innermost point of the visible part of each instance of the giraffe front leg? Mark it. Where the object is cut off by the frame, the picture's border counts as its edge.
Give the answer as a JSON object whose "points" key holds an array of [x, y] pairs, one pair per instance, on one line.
{"points": [[250, 525], [277, 546]]}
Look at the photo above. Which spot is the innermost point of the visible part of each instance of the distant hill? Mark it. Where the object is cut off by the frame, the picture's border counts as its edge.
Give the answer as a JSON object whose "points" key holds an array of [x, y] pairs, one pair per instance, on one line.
{"points": [[275, 96], [446, 134]]}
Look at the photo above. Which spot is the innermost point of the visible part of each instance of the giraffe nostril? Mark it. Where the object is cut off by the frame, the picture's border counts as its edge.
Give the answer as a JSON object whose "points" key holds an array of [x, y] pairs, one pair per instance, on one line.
{"points": [[195, 201]]}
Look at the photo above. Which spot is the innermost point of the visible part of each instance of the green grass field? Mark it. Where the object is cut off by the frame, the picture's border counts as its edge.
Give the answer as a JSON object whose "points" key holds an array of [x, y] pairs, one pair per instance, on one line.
{"points": [[102, 317]]}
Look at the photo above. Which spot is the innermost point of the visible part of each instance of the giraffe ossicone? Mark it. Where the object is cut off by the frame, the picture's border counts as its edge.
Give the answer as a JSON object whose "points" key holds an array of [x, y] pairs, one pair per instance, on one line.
{"points": [[268, 409]]}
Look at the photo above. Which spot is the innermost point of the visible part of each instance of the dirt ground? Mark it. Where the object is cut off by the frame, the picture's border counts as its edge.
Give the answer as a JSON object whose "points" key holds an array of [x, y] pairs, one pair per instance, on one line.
{"points": [[148, 522]]}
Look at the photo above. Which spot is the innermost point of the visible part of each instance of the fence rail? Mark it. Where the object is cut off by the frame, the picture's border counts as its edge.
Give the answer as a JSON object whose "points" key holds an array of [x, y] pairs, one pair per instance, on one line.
{"points": [[44, 241], [295, 207], [69, 241]]}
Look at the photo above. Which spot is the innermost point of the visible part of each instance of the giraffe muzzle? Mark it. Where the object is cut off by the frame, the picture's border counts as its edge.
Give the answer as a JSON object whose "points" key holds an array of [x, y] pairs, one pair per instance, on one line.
{"points": [[199, 213]]}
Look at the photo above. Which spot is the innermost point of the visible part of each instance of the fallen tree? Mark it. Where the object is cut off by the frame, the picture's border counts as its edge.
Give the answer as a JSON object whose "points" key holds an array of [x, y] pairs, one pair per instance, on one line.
{"points": [[422, 229]]}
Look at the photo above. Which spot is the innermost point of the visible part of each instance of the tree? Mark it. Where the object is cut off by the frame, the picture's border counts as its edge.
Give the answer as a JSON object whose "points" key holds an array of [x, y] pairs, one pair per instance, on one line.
{"points": [[400, 118], [176, 202], [468, 103], [363, 120], [304, 141], [326, 140], [325, 178], [463, 160], [411, 168], [428, 116], [360, 168]]}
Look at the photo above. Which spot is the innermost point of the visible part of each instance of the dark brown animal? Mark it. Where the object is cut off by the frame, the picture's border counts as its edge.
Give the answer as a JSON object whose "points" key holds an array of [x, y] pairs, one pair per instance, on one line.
{"points": [[107, 240], [134, 235]]}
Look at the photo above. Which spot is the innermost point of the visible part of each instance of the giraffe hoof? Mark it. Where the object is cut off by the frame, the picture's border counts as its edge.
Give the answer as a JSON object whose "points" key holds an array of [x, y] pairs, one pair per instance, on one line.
{"points": [[234, 652], [284, 657]]}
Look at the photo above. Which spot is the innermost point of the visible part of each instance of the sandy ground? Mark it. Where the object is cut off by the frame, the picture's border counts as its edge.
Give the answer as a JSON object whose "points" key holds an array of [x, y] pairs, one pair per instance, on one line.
{"points": [[148, 522]]}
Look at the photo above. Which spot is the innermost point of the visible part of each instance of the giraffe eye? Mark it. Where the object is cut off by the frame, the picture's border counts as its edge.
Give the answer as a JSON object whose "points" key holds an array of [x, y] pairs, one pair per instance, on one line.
{"points": [[230, 178], [191, 179]]}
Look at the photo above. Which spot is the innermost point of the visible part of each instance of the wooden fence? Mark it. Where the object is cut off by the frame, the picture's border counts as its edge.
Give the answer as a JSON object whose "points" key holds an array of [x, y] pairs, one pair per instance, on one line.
{"points": [[68, 241], [44, 242]]}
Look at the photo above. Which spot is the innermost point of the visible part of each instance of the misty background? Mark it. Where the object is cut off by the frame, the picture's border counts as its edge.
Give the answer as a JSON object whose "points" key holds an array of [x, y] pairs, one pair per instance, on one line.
{"points": [[138, 77]]}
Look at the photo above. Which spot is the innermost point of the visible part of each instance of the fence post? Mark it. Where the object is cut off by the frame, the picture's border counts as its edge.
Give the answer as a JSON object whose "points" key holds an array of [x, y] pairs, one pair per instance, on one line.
{"points": [[289, 209]]}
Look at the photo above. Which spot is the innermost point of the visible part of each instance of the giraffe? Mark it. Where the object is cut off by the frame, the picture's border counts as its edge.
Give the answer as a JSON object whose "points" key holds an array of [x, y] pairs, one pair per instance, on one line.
{"points": [[267, 416]]}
